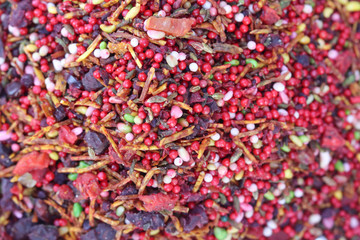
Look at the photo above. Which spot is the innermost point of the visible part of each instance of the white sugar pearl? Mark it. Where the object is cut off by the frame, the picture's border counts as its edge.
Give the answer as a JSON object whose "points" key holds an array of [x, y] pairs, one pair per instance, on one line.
{"points": [[233, 166], [182, 56], [33, 37], [307, 9], [282, 201], [227, 9], [314, 219], [248, 161], [267, 232], [155, 184], [215, 137], [97, 53], [36, 56], [239, 17], [296, 115], [250, 126], [222, 4], [64, 32], [298, 193], [254, 139], [283, 112], [57, 65], [207, 5], [281, 186], [43, 51], [251, 8], [104, 53], [175, 54], [234, 131], [193, 67], [178, 161], [253, 187], [72, 48], [271, 224], [129, 137], [347, 167], [232, 115], [225, 180], [279, 87], [208, 177], [217, 158], [354, 222], [167, 179], [228, 96], [134, 42], [333, 54], [251, 45]]}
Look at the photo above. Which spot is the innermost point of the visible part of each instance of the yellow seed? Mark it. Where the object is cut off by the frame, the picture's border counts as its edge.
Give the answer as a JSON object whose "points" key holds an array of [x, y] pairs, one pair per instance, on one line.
{"points": [[321, 43], [108, 29], [97, 2], [301, 28], [288, 174], [82, 5], [52, 134], [154, 232], [327, 12], [239, 175], [54, 156], [211, 143], [358, 157], [305, 40], [52, 10], [211, 166], [81, 109], [338, 194], [31, 48], [353, 6], [133, 12], [343, 2], [285, 57]]}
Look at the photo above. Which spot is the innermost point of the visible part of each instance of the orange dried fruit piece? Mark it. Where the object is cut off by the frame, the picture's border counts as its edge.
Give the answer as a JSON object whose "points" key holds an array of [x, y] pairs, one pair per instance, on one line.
{"points": [[32, 161], [177, 27]]}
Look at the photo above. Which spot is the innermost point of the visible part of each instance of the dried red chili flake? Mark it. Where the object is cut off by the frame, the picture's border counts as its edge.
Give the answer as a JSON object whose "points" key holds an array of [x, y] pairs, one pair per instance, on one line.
{"points": [[344, 61], [332, 138], [269, 16], [159, 201], [32, 161], [65, 192], [66, 135], [88, 185]]}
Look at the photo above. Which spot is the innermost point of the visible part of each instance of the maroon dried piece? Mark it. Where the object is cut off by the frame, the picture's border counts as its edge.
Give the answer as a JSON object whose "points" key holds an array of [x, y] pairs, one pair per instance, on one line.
{"points": [[146, 220], [4, 156], [89, 82], [43, 232], [14, 89], [17, 16], [96, 141], [196, 217], [101, 232]]}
